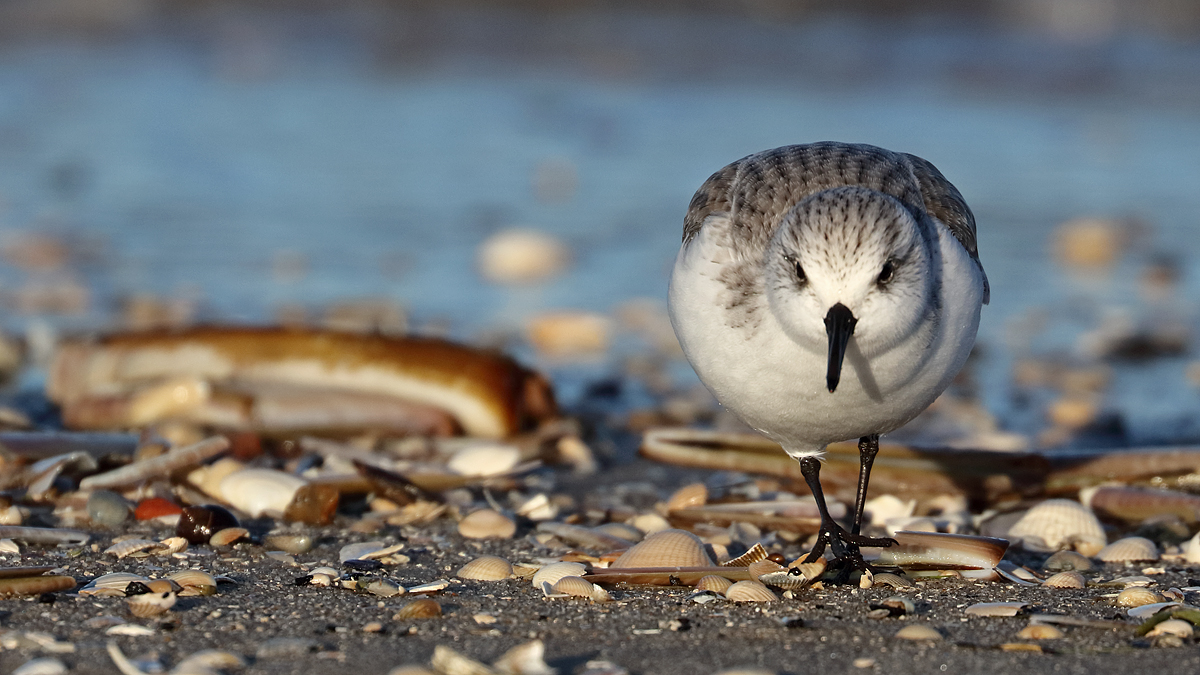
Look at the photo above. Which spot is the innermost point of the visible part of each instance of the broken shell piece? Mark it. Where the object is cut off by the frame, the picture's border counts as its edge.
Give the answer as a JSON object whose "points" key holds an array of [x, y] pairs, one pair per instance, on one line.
{"points": [[895, 581], [761, 567], [1137, 596], [1146, 611], [260, 491], [194, 582], [1039, 631], [995, 608], [550, 574], [135, 547], [714, 584], [1069, 579], [1057, 524], [757, 552], [1129, 549], [155, 467], [112, 585], [933, 550], [486, 568], [431, 587], [367, 550], [421, 608], [446, 661], [811, 570], [385, 588], [487, 524], [150, 604], [524, 659], [228, 536], [1066, 561], [750, 591], [668, 548], [173, 545]]}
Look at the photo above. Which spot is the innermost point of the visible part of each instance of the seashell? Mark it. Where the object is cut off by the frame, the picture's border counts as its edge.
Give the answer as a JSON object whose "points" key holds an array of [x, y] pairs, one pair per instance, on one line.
{"points": [[156, 467], [52, 536], [1128, 549], [130, 630], [487, 524], [789, 579], [1039, 631], [163, 586], [568, 333], [289, 543], [918, 632], [150, 604], [206, 661], [1176, 627], [421, 608], [714, 583], [1065, 561], [621, 531], [995, 608], [1136, 596], [524, 659], [934, 550], [112, 584], [895, 581], [35, 585], [810, 570], [135, 547], [522, 256], [228, 536], [194, 582], [750, 591], [449, 662], [47, 665], [172, 545], [1147, 611], [198, 523], [367, 550], [668, 548], [886, 507], [383, 587], [757, 552], [898, 605], [485, 459], [1134, 505], [550, 574], [1069, 579], [260, 491], [761, 567], [649, 523], [591, 538], [695, 494], [486, 568], [909, 524], [576, 586], [1057, 524], [9, 546], [431, 587], [537, 508]]}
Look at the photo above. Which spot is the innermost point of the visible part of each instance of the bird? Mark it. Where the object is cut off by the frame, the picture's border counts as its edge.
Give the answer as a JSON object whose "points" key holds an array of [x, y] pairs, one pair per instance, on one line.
{"points": [[826, 292]]}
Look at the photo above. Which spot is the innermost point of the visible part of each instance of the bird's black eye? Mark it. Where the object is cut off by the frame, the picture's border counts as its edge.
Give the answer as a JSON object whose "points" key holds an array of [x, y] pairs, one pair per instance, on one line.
{"points": [[800, 276], [885, 275]]}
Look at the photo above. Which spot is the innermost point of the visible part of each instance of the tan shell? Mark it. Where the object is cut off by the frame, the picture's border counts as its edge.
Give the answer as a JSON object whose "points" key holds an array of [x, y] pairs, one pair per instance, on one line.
{"points": [[1128, 549], [895, 581], [138, 548], [163, 586], [150, 604], [194, 582], [484, 459], [1039, 631], [810, 570], [621, 531], [487, 524], [174, 545], [228, 536], [1064, 561], [757, 552], [421, 608], [935, 549], [1057, 524], [550, 574], [918, 631], [995, 609], [750, 591], [666, 548], [449, 662], [688, 496], [1176, 627], [761, 567], [577, 586], [714, 583], [1136, 596], [486, 568], [1070, 579]]}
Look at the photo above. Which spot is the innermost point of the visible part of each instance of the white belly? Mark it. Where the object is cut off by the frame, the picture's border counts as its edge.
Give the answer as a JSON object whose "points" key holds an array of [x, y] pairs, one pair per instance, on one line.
{"points": [[778, 386]]}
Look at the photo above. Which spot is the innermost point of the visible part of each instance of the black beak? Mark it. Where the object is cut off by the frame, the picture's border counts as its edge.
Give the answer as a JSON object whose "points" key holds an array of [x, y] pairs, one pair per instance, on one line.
{"points": [[839, 326]]}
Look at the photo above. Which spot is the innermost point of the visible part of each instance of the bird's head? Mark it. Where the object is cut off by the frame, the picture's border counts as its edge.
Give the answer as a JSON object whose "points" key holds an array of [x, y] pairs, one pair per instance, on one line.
{"points": [[846, 264]]}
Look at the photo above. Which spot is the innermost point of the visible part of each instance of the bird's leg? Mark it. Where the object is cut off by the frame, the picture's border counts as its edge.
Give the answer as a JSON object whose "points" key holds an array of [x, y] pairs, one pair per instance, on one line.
{"points": [[810, 468], [868, 447], [847, 558]]}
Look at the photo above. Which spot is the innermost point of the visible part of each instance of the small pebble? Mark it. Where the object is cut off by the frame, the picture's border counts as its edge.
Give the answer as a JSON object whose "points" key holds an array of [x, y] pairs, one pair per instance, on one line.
{"points": [[108, 509]]}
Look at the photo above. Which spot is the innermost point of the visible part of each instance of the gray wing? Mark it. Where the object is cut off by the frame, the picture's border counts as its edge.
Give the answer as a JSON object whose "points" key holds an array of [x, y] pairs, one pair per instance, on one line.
{"points": [[946, 203]]}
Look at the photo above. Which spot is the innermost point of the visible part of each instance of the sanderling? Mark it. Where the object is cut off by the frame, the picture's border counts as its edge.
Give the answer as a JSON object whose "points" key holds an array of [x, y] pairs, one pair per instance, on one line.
{"points": [[799, 258]]}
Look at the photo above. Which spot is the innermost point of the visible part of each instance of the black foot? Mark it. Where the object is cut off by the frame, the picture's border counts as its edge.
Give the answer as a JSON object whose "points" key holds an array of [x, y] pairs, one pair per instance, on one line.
{"points": [[848, 559]]}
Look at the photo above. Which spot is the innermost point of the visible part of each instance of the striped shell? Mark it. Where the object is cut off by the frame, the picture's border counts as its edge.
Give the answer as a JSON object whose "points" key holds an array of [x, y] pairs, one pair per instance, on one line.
{"points": [[666, 548], [757, 552], [139, 548], [888, 579], [421, 608], [1058, 524], [761, 567], [713, 583], [750, 591], [1136, 596], [174, 545], [811, 570], [486, 568], [194, 582], [550, 574], [1068, 579], [112, 585], [1128, 549], [581, 588], [487, 524], [150, 604], [787, 579]]}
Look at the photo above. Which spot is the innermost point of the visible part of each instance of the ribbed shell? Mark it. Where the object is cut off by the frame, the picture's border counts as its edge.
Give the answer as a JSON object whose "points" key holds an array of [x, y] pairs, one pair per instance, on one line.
{"points": [[150, 604], [486, 568], [1065, 561], [714, 583], [756, 553], [174, 545], [761, 567], [750, 591], [667, 548], [421, 608], [134, 547], [550, 574], [487, 524], [1057, 524], [810, 570], [1129, 549], [1136, 596], [1068, 579], [577, 586]]}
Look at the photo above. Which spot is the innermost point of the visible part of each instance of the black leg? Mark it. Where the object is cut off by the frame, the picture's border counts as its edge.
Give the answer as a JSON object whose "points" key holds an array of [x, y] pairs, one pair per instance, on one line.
{"points": [[868, 447], [810, 468], [847, 558]]}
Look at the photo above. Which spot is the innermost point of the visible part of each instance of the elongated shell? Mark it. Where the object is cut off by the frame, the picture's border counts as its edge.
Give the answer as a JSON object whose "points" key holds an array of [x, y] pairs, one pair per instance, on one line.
{"points": [[487, 524], [750, 591], [150, 604], [486, 568], [227, 536], [995, 609], [934, 550], [194, 582], [1129, 549], [1058, 524], [550, 574], [667, 548], [35, 585], [1069, 579], [714, 583], [421, 608]]}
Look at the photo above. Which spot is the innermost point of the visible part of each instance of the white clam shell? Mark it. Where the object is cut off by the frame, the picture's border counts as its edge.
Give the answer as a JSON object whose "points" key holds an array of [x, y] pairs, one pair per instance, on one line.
{"points": [[490, 459], [666, 548], [135, 547], [1058, 524], [487, 524], [995, 609], [1136, 596], [1129, 549], [1068, 579], [111, 584], [194, 582], [550, 574], [260, 491], [750, 591], [486, 568], [576, 586], [1176, 627]]}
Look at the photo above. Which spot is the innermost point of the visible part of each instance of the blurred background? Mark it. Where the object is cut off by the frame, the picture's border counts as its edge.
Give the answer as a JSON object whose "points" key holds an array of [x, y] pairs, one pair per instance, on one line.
{"points": [[516, 174]]}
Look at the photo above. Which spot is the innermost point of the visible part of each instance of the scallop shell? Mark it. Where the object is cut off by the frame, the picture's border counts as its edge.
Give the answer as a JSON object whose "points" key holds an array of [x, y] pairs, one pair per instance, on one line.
{"points": [[888, 579], [111, 585], [750, 591], [259, 491], [576, 586], [227, 536], [550, 574], [1057, 524], [918, 631], [666, 548], [1176, 627], [421, 608], [1128, 549], [487, 524], [1066, 561], [757, 552], [486, 568], [810, 570], [1040, 631], [714, 583], [173, 545], [761, 567], [688, 496], [1136, 596], [1068, 579], [150, 604], [194, 582], [139, 548]]}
